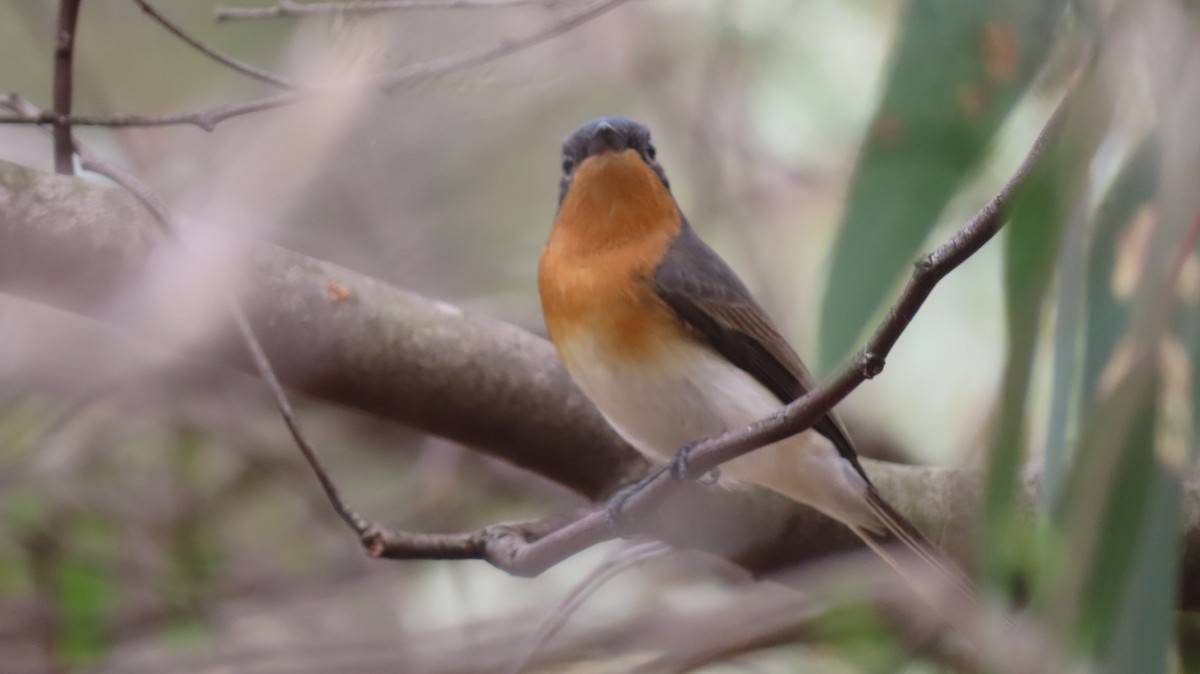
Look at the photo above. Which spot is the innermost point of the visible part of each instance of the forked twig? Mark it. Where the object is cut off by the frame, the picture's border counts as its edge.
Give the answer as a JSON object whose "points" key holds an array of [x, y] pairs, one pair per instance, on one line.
{"points": [[383, 82], [224, 59], [90, 161]]}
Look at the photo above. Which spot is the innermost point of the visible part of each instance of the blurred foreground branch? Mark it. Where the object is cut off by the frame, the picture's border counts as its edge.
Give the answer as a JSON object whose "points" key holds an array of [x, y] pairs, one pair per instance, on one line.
{"points": [[75, 245]]}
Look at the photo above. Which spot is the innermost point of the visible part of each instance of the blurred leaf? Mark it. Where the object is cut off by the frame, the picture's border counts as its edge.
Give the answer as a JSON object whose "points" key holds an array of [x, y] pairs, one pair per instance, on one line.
{"points": [[1107, 316], [1068, 348], [1121, 507], [1189, 642], [1056, 188], [1146, 619], [858, 631], [197, 557], [1104, 316], [87, 594], [1124, 504], [957, 69]]}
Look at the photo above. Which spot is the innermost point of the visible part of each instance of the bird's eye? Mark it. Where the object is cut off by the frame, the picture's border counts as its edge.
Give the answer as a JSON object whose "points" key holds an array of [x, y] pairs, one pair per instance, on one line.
{"points": [[568, 164], [650, 151]]}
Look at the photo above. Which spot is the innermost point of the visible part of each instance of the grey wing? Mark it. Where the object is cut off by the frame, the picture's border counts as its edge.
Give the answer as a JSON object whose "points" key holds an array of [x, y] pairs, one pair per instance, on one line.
{"points": [[707, 295]]}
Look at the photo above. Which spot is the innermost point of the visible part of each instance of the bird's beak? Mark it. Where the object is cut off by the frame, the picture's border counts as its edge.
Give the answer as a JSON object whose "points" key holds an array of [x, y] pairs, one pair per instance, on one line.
{"points": [[605, 139]]}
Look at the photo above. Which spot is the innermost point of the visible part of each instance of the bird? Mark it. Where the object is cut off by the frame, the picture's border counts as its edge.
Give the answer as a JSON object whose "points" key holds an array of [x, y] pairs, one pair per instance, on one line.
{"points": [[671, 347]]}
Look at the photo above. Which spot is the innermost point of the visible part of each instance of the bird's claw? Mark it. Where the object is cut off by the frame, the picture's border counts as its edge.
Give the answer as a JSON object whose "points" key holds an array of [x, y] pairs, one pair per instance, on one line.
{"points": [[681, 467], [615, 510]]}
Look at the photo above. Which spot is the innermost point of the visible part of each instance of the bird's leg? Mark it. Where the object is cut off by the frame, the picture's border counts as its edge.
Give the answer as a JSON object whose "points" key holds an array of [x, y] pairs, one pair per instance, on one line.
{"points": [[680, 470], [616, 503]]}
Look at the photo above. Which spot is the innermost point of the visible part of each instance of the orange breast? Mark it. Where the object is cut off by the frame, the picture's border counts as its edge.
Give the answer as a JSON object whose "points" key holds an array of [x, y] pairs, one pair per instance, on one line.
{"points": [[595, 275]]}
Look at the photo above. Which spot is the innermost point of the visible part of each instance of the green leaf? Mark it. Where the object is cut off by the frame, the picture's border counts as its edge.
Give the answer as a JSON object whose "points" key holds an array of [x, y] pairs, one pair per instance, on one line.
{"points": [[1146, 620], [1107, 316], [956, 71], [87, 593], [1121, 508], [1124, 512], [1053, 191], [1068, 349]]}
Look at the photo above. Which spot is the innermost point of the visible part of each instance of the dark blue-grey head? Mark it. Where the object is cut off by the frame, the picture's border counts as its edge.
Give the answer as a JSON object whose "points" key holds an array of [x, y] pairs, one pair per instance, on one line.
{"points": [[603, 135]]}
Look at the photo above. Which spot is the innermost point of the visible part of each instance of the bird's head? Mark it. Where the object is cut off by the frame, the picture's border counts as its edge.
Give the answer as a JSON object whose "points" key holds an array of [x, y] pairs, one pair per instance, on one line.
{"points": [[610, 154]]}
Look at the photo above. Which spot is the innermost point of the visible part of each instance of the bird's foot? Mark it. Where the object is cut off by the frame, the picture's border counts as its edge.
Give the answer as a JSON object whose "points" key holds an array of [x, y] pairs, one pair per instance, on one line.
{"points": [[615, 509], [682, 470]]}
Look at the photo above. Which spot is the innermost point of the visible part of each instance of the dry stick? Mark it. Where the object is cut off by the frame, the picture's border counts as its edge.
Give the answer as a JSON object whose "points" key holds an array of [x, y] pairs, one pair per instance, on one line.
{"points": [[64, 54], [89, 161], [384, 82], [290, 8], [228, 61], [869, 362], [508, 549]]}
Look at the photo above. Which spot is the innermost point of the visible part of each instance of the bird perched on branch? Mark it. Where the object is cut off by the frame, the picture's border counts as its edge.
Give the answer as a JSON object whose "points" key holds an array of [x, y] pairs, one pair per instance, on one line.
{"points": [[670, 346]]}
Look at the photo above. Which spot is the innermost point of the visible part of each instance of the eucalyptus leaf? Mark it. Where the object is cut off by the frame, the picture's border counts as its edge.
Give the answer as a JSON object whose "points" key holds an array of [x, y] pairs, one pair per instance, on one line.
{"points": [[956, 72]]}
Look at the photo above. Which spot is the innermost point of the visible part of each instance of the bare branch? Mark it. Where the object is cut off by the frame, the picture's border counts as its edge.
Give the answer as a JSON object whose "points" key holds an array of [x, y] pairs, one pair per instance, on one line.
{"points": [[869, 362], [291, 8], [383, 82], [224, 59], [64, 54], [90, 161]]}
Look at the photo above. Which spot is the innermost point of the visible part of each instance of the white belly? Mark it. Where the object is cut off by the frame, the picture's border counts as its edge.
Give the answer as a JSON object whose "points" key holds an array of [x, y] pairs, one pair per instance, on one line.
{"points": [[692, 393]]}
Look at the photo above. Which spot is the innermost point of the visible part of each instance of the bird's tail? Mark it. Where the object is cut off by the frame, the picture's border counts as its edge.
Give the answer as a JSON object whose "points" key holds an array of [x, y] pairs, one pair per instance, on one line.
{"points": [[895, 528]]}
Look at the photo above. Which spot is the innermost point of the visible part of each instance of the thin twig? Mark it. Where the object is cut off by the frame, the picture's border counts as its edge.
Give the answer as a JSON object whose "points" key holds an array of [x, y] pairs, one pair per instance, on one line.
{"points": [[228, 61], [383, 82], [291, 8], [89, 161], [64, 54]]}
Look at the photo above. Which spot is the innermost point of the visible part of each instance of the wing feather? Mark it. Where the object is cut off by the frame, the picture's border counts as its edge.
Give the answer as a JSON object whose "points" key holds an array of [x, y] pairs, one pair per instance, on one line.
{"points": [[703, 291]]}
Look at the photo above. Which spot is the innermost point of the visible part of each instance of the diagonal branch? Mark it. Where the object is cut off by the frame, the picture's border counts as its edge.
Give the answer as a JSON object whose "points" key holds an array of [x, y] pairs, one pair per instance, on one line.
{"points": [[869, 362], [386, 82]]}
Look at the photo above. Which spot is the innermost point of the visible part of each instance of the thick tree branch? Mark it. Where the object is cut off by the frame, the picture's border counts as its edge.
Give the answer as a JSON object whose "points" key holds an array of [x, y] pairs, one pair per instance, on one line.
{"points": [[72, 244]]}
